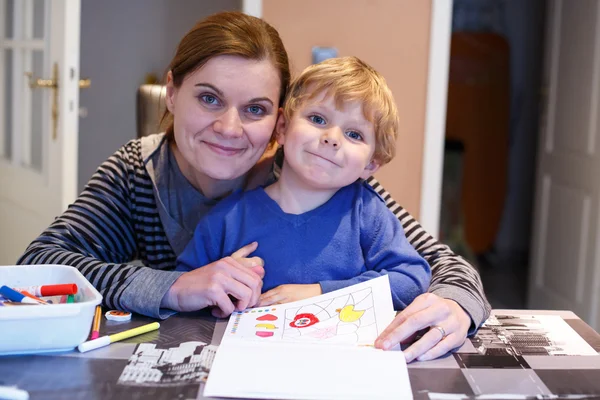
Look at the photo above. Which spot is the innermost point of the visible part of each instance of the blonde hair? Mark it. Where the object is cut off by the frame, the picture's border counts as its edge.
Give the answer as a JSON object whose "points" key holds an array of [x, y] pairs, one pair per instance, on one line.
{"points": [[350, 79], [227, 33]]}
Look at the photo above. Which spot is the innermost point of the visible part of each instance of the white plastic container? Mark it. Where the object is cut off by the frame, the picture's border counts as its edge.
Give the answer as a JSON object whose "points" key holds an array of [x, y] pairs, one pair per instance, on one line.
{"points": [[39, 328]]}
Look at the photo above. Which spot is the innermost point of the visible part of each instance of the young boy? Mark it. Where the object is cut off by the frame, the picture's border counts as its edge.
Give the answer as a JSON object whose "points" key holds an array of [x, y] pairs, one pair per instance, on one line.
{"points": [[320, 227]]}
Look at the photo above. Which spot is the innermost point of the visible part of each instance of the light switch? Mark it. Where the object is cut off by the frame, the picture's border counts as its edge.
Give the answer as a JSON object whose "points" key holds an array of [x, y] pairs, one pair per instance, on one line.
{"points": [[323, 53]]}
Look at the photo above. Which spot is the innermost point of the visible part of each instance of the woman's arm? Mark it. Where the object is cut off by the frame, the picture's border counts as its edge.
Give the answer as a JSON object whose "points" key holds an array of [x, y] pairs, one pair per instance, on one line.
{"points": [[113, 222], [454, 307], [451, 276]]}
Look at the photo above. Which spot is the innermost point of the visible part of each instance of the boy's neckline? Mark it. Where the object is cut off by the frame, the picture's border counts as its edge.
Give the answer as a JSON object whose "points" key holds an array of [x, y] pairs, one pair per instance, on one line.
{"points": [[296, 219], [294, 202]]}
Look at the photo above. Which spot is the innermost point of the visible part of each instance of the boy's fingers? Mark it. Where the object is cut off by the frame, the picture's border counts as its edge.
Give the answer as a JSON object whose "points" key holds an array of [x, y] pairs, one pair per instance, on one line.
{"points": [[245, 251], [250, 262]]}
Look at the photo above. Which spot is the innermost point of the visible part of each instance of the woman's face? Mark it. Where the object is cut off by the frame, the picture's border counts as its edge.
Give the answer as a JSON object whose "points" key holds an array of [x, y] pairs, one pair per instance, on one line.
{"points": [[224, 116]]}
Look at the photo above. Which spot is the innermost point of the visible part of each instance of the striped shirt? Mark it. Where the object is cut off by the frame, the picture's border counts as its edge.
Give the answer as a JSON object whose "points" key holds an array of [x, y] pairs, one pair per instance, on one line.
{"points": [[115, 220]]}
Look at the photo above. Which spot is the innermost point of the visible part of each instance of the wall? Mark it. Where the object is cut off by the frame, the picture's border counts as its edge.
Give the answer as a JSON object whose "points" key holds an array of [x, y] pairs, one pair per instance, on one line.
{"points": [[121, 42], [392, 36]]}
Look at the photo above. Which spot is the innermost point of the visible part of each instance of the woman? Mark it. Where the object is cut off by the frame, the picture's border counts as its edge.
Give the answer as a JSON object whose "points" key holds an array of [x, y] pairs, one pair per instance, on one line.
{"points": [[224, 88]]}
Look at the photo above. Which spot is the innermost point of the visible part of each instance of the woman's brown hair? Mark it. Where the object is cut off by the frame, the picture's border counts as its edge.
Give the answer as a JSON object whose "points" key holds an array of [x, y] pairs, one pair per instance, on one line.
{"points": [[227, 33]]}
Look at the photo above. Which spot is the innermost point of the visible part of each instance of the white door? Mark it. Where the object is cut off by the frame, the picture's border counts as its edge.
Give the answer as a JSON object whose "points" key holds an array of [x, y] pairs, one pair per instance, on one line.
{"points": [[39, 102], [565, 264]]}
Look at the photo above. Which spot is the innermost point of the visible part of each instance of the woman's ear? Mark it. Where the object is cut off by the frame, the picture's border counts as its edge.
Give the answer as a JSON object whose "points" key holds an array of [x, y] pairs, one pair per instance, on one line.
{"points": [[170, 96], [280, 127], [370, 169]]}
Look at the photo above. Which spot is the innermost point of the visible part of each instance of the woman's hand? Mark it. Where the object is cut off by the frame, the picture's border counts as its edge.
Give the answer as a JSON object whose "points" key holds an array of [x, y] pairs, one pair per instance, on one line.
{"points": [[235, 279], [427, 311], [288, 293]]}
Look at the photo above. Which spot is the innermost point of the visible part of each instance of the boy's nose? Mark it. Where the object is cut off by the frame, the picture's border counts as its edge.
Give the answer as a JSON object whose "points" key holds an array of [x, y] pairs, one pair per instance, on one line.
{"points": [[229, 123], [330, 139]]}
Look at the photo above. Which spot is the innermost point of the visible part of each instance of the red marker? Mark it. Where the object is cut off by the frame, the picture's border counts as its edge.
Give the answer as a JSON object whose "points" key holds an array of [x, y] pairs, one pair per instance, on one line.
{"points": [[50, 290]]}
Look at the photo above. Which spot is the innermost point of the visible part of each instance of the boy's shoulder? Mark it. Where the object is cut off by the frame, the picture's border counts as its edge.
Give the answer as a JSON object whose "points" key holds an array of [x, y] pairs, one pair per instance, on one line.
{"points": [[366, 191]]}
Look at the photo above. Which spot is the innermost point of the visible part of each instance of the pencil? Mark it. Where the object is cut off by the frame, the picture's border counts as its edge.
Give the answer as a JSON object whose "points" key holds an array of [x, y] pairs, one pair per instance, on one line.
{"points": [[108, 339], [96, 324]]}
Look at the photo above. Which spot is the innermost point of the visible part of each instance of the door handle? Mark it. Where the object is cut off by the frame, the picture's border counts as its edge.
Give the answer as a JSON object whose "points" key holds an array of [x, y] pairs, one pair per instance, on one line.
{"points": [[52, 83]]}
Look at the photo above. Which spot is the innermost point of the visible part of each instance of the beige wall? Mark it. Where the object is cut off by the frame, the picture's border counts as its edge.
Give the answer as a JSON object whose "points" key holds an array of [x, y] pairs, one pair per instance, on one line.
{"points": [[392, 36]]}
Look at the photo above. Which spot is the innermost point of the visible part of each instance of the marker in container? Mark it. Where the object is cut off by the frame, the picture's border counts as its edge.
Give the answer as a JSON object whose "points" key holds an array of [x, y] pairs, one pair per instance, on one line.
{"points": [[106, 340], [33, 297], [15, 296], [50, 290]]}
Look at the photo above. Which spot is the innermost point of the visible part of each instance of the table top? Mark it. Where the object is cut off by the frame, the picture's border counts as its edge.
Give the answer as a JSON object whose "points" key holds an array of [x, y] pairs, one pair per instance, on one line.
{"points": [[478, 367]]}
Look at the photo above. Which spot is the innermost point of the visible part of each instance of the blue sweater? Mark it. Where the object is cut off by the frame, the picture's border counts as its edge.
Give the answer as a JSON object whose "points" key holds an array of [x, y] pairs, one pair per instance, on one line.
{"points": [[351, 238]]}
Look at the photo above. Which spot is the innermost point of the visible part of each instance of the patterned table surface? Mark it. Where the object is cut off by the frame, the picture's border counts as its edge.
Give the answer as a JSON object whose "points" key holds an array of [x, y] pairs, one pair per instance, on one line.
{"points": [[467, 374]]}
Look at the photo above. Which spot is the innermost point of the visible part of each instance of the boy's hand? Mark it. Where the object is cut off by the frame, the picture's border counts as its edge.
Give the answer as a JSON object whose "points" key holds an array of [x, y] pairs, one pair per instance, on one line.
{"points": [[288, 293]]}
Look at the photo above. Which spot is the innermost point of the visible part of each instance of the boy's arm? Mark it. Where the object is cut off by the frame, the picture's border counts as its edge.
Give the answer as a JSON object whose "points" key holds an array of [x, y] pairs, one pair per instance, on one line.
{"points": [[452, 277], [387, 251]]}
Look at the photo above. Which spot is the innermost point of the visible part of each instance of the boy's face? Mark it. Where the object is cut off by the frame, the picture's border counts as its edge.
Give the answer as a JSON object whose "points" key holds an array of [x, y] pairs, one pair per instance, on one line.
{"points": [[326, 147]]}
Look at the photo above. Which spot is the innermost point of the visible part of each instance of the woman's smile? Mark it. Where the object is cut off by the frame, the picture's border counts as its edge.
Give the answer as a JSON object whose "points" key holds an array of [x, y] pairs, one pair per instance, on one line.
{"points": [[224, 150]]}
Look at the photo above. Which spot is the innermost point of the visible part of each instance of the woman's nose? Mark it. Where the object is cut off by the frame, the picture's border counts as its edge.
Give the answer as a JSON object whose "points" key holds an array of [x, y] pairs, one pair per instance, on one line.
{"points": [[229, 123], [330, 138]]}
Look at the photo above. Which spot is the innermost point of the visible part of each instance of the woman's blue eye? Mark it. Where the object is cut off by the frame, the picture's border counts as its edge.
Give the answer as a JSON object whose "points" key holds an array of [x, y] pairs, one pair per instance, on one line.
{"points": [[209, 99], [317, 119], [354, 135], [256, 110]]}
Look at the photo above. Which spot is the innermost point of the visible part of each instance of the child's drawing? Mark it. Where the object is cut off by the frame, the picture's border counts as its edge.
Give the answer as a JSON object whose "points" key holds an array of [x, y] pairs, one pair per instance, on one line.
{"points": [[353, 315], [348, 318]]}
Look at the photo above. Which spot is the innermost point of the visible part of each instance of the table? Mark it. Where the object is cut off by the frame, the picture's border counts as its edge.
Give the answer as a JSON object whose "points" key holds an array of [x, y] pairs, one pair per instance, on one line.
{"points": [[94, 375]]}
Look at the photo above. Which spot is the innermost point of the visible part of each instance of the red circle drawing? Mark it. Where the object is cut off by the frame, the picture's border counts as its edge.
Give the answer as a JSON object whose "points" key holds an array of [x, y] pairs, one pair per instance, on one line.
{"points": [[304, 320]]}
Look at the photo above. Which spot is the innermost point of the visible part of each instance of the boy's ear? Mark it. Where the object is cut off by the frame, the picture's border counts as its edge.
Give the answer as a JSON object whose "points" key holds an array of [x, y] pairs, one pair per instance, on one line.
{"points": [[280, 127], [170, 96], [370, 169]]}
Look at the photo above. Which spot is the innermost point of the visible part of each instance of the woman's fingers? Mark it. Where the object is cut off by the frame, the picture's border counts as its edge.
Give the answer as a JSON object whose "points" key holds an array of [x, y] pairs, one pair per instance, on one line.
{"points": [[428, 341], [417, 316], [223, 304], [451, 342]]}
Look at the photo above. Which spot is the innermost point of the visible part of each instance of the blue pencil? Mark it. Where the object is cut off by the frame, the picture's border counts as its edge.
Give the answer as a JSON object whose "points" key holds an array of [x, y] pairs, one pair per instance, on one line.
{"points": [[15, 296]]}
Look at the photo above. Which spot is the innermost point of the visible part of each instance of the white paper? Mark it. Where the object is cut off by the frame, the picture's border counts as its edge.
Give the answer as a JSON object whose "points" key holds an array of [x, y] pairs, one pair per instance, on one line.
{"points": [[317, 348], [279, 370]]}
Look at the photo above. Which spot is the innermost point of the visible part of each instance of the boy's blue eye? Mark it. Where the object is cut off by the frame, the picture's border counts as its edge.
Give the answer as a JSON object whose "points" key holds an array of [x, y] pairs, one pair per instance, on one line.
{"points": [[256, 110], [209, 99], [354, 135], [317, 119]]}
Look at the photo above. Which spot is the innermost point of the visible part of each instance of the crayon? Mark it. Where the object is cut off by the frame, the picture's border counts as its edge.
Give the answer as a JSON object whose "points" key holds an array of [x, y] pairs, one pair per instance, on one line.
{"points": [[50, 290], [108, 339], [15, 296], [70, 298]]}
